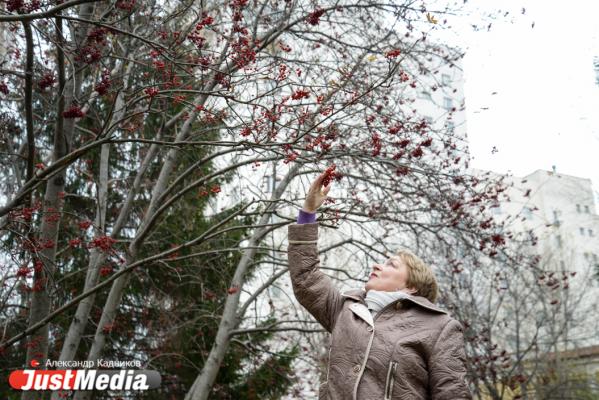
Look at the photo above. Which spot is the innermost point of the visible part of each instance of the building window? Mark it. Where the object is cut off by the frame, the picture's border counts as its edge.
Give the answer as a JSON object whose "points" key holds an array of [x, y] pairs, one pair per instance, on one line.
{"points": [[426, 95], [460, 251], [268, 183], [556, 214], [590, 232], [447, 103], [577, 208], [559, 240], [581, 231], [527, 213], [445, 79], [586, 209]]}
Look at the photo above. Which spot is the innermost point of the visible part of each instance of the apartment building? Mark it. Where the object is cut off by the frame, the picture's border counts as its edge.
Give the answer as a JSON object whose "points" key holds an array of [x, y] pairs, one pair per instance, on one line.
{"points": [[560, 210]]}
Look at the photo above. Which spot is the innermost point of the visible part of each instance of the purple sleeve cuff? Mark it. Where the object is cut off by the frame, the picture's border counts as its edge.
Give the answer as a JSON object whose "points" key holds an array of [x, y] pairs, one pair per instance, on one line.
{"points": [[306, 217]]}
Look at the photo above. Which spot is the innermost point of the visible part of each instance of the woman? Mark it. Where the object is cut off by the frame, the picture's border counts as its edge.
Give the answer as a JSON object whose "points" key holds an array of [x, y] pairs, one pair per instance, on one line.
{"points": [[389, 340]]}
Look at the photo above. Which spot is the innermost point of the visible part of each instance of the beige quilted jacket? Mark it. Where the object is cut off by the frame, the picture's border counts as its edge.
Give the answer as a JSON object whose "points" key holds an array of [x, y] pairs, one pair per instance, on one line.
{"points": [[410, 350]]}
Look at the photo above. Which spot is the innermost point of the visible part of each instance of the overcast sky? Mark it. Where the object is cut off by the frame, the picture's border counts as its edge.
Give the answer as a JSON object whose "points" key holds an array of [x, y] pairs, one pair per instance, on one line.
{"points": [[546, 108]]}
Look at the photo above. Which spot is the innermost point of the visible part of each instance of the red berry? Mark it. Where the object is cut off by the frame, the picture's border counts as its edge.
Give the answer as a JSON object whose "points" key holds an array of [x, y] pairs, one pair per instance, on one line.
{"points": [[73, 112], [314, 17], [233, 289], [331, 174], [393, 53]]}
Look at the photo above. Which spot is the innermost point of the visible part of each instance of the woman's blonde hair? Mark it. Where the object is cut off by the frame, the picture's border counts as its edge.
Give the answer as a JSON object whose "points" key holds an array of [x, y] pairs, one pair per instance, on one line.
{"points": [[420, 275]]}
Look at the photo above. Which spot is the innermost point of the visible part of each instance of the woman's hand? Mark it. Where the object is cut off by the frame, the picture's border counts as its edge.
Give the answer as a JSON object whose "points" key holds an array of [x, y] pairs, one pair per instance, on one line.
{"points": [[316, 195]]}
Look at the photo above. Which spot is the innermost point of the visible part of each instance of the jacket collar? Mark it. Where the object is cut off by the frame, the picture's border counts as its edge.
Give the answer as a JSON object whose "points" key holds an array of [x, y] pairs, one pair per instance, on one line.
{"points": [[360, 295], [355, 294]]}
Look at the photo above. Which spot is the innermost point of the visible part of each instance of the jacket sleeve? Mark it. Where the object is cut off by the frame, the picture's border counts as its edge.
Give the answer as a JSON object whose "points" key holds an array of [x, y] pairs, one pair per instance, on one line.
{"points": [[312, 288], [447, 365]]}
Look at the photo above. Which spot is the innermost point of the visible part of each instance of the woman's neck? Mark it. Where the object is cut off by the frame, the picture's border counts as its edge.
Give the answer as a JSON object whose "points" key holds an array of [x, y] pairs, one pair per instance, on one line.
{"points": [[376, 300]]}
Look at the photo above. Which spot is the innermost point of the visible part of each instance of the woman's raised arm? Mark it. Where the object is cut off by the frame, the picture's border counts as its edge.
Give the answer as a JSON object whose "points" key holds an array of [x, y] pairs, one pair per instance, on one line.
{"points": [[313, 289]]}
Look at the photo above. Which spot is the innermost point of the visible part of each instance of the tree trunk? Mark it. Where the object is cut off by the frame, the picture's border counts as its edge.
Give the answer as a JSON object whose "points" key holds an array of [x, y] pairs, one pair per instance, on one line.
{"points": [[73, 337], [229, 320], [118, 286], [37, 346]]}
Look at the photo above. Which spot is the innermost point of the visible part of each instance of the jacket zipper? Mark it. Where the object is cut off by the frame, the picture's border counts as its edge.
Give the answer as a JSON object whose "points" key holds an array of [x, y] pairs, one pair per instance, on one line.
{"points": [[390, 380], [393, 363], [329, 363]]}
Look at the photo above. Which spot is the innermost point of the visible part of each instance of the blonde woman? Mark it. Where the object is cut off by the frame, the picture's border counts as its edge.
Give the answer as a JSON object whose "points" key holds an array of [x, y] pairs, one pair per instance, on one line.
{"points": [[388, 340]]}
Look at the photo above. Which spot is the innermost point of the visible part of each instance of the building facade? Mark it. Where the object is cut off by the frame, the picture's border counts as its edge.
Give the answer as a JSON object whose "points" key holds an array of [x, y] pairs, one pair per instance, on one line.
{"points": [[560, 210]]}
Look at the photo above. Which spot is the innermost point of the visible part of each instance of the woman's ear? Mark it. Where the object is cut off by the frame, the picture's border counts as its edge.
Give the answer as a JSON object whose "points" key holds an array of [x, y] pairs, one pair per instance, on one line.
{"points": [[411, 291]]}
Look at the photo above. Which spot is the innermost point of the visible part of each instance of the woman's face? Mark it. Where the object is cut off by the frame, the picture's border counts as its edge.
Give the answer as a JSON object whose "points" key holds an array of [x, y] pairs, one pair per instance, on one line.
{"points": [[390, 276]]}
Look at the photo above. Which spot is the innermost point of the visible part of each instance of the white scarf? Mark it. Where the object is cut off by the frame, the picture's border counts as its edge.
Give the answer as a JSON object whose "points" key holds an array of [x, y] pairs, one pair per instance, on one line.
{"points": [[377, 299]]}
